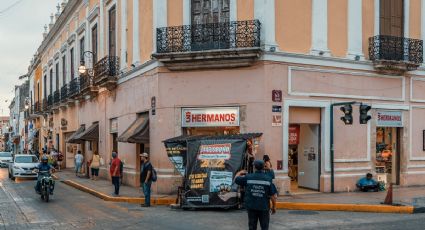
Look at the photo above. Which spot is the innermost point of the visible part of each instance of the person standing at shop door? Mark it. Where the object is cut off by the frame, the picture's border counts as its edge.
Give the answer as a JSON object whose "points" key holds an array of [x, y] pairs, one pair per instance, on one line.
{"points": [[115, 173], [146, 178], [259, 190]]}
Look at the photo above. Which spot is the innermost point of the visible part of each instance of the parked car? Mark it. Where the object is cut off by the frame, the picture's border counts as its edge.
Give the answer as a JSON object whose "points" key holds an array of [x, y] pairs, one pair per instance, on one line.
{"points": [[23, 166], [5, 159]]}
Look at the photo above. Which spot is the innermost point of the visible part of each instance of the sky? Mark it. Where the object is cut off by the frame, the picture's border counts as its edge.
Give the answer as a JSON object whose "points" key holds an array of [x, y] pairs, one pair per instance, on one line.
{"points": [[21, 27]]}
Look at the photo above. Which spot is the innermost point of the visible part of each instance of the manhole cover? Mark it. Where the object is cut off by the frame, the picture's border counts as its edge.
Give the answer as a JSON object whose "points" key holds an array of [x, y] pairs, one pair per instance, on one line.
{"points": [[303, 212]]}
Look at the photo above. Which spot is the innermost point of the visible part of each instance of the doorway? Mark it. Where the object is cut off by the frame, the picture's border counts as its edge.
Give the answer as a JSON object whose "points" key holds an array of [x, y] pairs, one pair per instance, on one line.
{"points": [[304, 157], [388, 152]]}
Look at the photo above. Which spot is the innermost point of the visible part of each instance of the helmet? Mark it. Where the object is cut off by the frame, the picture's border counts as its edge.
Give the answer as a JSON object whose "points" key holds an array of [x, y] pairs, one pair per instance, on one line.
{"points": [[44, 159]]}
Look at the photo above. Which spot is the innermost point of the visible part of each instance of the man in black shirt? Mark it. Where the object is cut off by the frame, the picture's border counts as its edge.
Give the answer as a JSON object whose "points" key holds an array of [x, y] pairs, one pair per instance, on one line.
{"points": [[146, 178]]}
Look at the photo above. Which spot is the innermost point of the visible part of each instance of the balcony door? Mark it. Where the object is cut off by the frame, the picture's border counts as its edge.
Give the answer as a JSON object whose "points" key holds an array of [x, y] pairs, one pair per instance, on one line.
{"points": [[112, 32], [210, 27], [391, 29]]}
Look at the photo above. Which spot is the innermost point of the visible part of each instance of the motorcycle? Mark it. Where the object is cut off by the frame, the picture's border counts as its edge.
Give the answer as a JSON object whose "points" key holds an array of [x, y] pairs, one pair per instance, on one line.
{"points": [[47, 185]]}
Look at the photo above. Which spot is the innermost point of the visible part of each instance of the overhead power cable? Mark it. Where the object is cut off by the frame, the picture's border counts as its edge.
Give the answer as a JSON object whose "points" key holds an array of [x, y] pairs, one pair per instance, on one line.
{"points": [[10, 7]]}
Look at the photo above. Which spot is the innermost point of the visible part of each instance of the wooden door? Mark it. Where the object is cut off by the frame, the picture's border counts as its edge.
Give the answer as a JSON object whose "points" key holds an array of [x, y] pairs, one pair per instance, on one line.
{"points": [[210, 11], [112, 32], [209, 24], [94, 43], [391, 17]]}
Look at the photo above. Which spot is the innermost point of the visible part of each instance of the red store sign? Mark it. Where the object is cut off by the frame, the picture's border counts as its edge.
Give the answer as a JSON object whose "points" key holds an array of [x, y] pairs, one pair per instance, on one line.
{"points": [[294, 135], [210, 117]]}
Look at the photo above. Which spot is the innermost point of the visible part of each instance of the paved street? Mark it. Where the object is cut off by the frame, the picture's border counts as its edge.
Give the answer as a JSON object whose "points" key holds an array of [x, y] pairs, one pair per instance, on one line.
{"points": [[20, 208]]}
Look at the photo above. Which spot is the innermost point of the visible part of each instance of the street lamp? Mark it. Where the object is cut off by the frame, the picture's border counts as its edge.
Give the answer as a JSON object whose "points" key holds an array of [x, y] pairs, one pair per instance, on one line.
{"points": [[82, 69]]}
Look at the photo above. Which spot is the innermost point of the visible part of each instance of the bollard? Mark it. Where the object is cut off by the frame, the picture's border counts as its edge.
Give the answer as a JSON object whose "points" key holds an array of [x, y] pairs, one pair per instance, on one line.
{"points": [[389, 198]]}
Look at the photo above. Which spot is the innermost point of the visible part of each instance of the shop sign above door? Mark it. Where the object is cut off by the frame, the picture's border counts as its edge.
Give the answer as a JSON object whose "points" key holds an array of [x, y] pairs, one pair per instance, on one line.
{"points": [[389, 119], [210, 117]]}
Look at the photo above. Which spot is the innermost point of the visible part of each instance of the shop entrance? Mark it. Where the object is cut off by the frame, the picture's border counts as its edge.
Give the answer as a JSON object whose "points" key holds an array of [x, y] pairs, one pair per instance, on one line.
{"points": [[388, 152], [304, 157]]}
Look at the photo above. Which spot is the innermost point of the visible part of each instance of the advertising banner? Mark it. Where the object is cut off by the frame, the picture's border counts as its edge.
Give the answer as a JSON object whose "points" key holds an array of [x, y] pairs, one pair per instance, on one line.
{"points": [[389, 119], [211, 167], [210, 117], [294, 135], [176, 152]]}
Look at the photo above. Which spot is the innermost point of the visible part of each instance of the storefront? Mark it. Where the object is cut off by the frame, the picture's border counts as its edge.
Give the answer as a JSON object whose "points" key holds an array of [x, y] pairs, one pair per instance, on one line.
{"points": [[304, 144], [389, 125], [210, 121]]}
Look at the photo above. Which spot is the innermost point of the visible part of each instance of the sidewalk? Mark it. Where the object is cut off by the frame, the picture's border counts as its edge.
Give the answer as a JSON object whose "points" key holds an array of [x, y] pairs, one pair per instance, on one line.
{"points": [[409, 200]]}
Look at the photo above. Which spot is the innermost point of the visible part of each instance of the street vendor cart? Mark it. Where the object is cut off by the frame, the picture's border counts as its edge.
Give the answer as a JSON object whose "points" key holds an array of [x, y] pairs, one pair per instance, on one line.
{"points": [[208, 165]]}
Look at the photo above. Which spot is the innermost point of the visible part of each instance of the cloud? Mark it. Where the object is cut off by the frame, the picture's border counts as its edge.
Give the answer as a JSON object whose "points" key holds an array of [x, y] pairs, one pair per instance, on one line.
{"points": [[21, 29]]}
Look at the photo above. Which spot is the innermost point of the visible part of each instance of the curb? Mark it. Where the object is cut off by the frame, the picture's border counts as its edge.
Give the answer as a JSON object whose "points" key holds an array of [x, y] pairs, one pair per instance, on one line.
{"points": [[346, 207], [132, 200], [279, 205]]}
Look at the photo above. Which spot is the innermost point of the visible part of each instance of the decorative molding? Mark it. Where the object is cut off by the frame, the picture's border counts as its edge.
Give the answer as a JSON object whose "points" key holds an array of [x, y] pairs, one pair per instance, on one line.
{"points": [[362, 74], [412, 79], [93, 14], [350, 169], [71, 39], [64, 48], [50, 62], [56, 57], [81, 28]]}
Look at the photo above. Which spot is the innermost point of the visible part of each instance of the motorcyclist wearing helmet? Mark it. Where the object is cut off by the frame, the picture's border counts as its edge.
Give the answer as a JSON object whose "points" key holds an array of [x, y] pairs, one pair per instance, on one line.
{"points": [[43, 166]]}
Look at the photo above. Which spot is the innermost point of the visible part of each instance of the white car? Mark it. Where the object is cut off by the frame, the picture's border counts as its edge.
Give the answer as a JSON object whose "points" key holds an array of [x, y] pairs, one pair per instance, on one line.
{"points": [[5, 159], [23, 166]]}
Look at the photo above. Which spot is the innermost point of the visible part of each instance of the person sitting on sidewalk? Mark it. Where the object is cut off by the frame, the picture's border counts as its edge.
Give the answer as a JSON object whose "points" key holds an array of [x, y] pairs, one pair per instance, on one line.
{"points": [[367, 183]]}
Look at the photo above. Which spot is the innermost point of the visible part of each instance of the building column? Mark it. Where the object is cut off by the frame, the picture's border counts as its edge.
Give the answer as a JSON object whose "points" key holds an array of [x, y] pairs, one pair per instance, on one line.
{"points": [[319, 44], [186, 12], [264, 10], [101, 50], [376, 18], [136, 40], [423, 24], [123, 54], [233, 10], [355, 41], [159, 18]]}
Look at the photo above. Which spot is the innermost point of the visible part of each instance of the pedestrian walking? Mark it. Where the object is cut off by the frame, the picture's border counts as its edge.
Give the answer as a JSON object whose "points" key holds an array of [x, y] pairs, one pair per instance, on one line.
{"points": [[60, 160], [78, 160], [268, 168], [259, 190], [95, 164], [146, 178], [115, 173]]}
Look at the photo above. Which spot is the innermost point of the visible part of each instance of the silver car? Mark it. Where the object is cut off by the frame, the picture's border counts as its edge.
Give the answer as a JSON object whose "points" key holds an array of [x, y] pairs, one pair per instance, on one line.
{"points": [[23, 166], [5, 159]]}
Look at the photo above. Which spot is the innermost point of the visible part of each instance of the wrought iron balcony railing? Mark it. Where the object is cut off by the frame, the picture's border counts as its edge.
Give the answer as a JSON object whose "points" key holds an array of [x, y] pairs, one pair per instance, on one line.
{"points": [[212, 36], [45, 105], [400, 49], [50, 101], [74, 87], [108, 66], [56, 97], [64, 93], [36, 108], [85, 82]]}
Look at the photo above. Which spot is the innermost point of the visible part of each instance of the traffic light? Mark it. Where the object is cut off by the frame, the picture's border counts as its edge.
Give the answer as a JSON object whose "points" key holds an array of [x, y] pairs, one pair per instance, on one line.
{"points": [[364, 118], [348, 114]]}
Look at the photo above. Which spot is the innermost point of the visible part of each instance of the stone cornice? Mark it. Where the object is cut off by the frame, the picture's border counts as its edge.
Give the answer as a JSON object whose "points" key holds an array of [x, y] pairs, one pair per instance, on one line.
{"points": [[81, 28], [93, 14]]}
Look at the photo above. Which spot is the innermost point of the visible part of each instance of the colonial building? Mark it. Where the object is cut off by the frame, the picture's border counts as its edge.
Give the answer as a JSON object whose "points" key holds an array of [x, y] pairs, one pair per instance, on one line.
{"points": [[125, 75]]}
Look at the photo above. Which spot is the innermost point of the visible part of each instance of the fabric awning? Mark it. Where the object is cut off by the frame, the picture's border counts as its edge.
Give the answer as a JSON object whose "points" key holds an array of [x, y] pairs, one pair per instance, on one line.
{"points": [[91, 133], [74, 138], [138, 132]]}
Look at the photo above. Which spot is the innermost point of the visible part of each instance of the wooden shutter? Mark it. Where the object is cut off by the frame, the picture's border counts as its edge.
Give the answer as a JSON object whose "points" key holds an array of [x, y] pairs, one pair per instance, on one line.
{"points": [[63, 70], [391, 17], [51, 82], [112, 32], [210, 11], [71, 66], [57, 76]]}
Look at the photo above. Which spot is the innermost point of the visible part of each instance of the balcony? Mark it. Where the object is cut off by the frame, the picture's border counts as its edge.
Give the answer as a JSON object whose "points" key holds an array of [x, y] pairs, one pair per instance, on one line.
{"points": [[106, 72], [56, 97], [36, 108], [74, 88], [86, 87], [45, 105], [213, 45], [50, 101], [64, 93], [395, 55]]}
